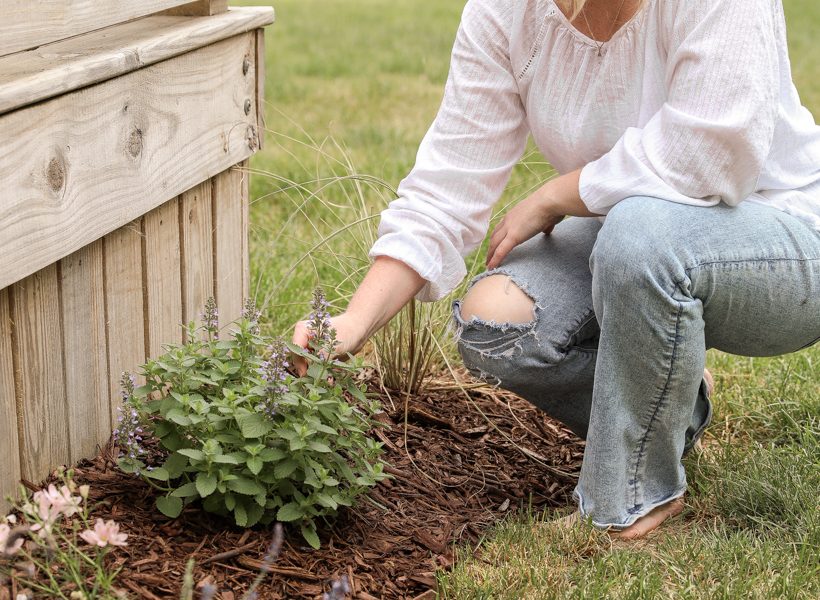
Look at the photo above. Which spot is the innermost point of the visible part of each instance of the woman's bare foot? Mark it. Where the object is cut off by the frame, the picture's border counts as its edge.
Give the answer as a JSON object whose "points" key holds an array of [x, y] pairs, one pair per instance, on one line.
{"points": [[650, 521]]}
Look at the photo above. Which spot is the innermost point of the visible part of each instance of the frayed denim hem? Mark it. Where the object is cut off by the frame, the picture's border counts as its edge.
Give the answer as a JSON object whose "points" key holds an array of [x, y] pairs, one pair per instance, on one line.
{"points": [[632, 518]]}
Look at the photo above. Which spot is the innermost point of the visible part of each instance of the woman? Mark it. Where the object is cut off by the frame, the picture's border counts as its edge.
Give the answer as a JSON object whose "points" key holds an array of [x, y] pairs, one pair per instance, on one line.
{"points": [[677, 125]]}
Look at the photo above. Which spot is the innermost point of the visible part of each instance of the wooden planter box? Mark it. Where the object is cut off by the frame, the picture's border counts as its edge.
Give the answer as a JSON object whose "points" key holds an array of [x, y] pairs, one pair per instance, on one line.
{"points": [[124, 130]]}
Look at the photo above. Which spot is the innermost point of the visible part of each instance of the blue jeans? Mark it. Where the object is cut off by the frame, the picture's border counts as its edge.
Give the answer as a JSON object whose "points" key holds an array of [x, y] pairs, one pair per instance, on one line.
{"points": [[624, 313]]}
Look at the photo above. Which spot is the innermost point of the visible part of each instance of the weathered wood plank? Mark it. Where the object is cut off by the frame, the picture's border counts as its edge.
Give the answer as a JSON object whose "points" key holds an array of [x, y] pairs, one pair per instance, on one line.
{"points": [[162, 277], [259, 65], [246, 227], [27, 24], [86, 368], [75, 63], [229, 219], [9, 442], [200, 8], [38, 346], [119, 149], [196, 234], [125, 307]]}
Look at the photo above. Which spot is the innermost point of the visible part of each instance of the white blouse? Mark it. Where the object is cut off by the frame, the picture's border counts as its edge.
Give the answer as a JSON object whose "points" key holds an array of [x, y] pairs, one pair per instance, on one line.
{"points": [[691, 101]]}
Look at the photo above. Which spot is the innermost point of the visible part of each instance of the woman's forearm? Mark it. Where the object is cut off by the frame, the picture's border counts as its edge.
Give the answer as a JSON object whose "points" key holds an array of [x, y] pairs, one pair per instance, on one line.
{"points": [[388, 285]]}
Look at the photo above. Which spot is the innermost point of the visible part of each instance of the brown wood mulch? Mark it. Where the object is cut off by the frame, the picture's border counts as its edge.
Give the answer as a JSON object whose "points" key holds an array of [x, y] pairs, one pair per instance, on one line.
{"points": [[455, 474]]}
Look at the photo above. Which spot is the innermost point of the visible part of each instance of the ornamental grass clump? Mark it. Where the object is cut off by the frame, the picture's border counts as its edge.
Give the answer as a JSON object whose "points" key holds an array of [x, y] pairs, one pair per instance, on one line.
{"points": [[243, 434]]}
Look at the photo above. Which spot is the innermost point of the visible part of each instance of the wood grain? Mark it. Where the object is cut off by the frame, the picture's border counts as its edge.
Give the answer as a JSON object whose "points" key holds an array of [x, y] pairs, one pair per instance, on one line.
{"points": [[244, 189], [77, 167], [38, 345], [200, 8], [162, 277], [86, 368], [196, 235], [27, 24], [124, 303], [75, 63], [9, 442], [229, 258], [259, 64]]}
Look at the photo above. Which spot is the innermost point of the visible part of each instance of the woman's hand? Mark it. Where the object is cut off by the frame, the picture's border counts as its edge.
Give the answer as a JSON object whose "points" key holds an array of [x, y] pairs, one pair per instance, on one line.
{"points": [[350, 337], [541, 211], [527, 218]]}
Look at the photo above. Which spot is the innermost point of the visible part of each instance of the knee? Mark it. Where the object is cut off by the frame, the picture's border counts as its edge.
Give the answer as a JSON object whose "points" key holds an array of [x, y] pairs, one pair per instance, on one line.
{"points": [[495, 298], [636, 235]]}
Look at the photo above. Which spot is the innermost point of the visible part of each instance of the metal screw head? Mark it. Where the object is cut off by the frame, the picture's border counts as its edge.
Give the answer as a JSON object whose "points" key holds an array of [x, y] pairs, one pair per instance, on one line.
{"points": [[247, 106], [246, 66]]}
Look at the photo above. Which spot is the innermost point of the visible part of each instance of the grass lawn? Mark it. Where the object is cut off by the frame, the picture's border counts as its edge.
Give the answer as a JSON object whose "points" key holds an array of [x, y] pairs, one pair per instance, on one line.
{"points": [[352, 87]]}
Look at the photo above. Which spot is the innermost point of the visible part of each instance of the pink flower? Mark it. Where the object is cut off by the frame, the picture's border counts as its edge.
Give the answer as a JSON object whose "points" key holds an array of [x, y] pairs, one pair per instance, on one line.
{"points": [[5, 530], [104, 534]]}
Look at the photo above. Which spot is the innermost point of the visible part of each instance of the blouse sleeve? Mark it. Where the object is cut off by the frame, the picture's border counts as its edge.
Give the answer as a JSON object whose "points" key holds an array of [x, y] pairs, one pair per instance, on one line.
{"points": [[709, 140], [444, 205]]}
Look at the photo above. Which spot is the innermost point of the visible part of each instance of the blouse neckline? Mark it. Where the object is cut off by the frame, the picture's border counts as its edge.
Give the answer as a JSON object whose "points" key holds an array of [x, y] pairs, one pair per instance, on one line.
{"points": [[621, 31]]}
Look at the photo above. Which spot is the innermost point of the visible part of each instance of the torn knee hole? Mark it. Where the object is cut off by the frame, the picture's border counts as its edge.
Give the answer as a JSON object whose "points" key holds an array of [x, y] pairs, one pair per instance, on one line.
{"points": [[497, 299]]}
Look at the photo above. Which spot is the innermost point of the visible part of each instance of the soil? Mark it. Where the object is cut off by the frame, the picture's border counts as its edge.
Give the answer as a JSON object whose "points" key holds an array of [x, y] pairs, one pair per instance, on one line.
{"points": [[456, 473]]}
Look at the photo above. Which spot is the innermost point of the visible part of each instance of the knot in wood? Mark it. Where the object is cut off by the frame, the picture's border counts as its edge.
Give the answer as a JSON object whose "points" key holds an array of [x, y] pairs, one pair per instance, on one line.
{"points": [[251, 138], [55, 174], [134, 146], [247, 106]]}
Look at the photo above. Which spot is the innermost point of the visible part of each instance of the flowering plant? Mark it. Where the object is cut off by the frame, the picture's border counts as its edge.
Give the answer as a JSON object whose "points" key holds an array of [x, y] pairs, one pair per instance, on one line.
{"points": [[51, 547], [243, 434]]}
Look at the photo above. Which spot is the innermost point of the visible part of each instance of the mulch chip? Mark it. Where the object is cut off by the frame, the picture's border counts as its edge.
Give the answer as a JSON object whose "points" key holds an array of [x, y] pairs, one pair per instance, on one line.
{"points": [[456, 473]]}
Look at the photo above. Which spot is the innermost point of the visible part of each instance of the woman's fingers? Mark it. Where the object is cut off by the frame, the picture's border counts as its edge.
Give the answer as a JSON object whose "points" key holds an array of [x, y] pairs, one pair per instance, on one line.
{"points": [[301, 335], [503, 248], [497, 236]]}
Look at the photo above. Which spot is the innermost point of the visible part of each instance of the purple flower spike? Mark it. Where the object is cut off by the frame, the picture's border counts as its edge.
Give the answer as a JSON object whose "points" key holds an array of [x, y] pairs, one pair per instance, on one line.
{"points": [[251, 314], [211, 317], [319, 318], [127, 435], [274, 373]]}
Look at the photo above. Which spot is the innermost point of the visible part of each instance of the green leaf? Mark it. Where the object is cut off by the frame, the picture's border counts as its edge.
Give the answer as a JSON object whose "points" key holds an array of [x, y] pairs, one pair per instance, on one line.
{"points": [[192, 453], [297, 444], [319, 447], [234, 458], [160, 474], [162, 428], [245, 486], [325, 429], [175, 465], [289, 512], [285, 468], [271, 454], [173, 441], [230, 501], [128, 465], [253, 425], [255, 513], [185, 491], [309, 533], [327, 501], [205, 484], [255, 464], [240, 515], [177, 416], [170, 506]]}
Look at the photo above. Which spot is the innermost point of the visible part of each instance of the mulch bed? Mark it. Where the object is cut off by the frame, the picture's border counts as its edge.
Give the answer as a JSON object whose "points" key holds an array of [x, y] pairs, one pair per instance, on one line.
{"points": [[455, 475]]}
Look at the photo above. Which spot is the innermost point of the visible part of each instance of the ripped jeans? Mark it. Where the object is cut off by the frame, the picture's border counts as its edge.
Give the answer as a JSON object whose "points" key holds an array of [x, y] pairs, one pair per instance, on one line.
{"points": [[624, 313]]}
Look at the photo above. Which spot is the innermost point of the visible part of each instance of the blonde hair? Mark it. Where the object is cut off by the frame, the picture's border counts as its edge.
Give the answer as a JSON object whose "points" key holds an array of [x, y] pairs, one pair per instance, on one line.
{"points": [[574, 7]]}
